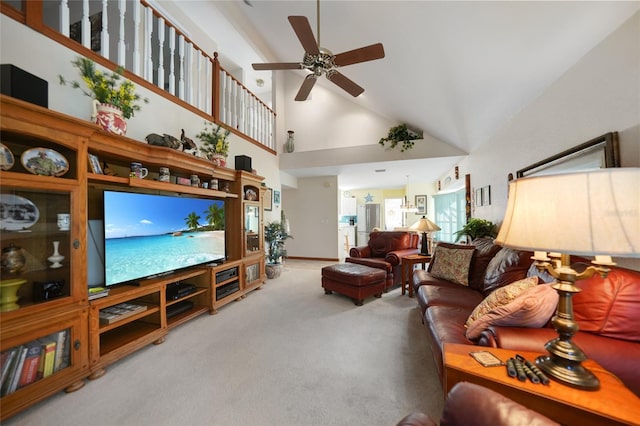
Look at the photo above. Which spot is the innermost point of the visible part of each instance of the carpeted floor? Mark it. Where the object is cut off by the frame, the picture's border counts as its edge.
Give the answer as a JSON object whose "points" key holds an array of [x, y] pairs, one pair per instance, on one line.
{"points": [[286, 355]]}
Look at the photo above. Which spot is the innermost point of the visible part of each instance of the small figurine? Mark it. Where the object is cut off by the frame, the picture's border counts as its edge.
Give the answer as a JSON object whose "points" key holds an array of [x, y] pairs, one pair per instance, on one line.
{"points": [[164, 140], [187, 143]]}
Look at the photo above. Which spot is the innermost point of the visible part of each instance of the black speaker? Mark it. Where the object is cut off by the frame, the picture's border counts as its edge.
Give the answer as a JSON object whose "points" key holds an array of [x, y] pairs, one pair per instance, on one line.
{"points": [[243, 162], [20, 84]]}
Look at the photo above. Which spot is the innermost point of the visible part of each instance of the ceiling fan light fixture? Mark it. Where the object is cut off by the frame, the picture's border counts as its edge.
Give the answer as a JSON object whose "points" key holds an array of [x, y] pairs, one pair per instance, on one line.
{"points": [[320, 60]]}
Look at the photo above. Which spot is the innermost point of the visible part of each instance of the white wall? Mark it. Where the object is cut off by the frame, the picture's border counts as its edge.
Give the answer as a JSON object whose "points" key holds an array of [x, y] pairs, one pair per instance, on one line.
{"points": [[601, 93]]}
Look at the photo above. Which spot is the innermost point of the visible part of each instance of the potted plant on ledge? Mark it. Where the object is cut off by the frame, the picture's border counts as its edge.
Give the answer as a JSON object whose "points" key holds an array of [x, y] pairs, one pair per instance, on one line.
{"points": [[400, 133], [113, 101], [477, 228], [215, 145], [275, 235]]}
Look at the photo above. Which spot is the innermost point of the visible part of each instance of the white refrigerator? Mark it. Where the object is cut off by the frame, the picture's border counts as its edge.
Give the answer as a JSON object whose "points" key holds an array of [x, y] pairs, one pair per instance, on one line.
{"points": [[368, 218]]}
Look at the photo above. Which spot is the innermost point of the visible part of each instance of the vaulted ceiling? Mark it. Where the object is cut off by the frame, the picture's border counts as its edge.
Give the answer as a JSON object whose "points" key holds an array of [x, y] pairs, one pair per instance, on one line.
{"points": [[458, 70]]}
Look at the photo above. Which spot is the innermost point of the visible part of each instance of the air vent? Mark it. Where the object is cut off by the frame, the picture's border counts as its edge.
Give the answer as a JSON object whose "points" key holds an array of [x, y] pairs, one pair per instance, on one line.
{"points": [[381, 170]]}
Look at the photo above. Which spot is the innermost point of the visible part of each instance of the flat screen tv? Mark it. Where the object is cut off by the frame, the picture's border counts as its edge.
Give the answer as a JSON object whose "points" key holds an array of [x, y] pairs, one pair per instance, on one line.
{"points": [[147, 235]]}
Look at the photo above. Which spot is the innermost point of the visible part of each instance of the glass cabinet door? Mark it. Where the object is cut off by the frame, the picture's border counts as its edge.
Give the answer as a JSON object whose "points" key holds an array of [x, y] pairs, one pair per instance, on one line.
{"points": [[252, 227], [36, 247]]}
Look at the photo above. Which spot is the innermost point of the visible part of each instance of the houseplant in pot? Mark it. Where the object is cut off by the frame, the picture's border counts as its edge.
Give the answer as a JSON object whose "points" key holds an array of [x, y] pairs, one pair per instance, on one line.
{"points": [[114, 101], [477, 228], [215, 143], [275, 236]]}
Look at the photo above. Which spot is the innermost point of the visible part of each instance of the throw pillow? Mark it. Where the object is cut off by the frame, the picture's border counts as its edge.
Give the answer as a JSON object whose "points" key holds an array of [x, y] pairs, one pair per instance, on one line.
{"points": [[532, 308], [500, 297], [452, 263]]}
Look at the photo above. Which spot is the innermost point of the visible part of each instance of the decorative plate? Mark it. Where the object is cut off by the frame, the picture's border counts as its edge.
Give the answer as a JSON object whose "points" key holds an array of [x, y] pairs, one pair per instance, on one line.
{"points": [[44, 162], [6, 158], [19, 213], [250, 195]]}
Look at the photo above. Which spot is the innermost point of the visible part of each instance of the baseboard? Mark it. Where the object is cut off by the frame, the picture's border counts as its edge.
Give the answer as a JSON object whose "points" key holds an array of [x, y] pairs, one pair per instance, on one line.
{"points": [[325, 259]]}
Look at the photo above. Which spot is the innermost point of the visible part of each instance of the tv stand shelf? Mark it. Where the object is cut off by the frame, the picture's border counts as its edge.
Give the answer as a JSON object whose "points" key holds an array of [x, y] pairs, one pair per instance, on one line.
{"points": [[157, 185], [111, 342]]}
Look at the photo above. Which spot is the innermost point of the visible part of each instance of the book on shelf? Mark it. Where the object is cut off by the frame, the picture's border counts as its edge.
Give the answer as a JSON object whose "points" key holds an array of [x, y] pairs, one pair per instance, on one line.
{"points": [[10, 359], [98, 292], [118, 312], [29, 372], [47, 359], [13, 377], [61, 359]]}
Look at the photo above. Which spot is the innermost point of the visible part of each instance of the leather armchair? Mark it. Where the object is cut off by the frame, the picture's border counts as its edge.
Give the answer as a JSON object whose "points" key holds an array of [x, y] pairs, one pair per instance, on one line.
{"points": [[384, 250], [471, 404]]}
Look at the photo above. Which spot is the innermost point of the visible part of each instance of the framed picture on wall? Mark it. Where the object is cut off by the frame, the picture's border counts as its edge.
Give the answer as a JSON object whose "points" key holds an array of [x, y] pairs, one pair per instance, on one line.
{"points": [[268, 199], [276, 197], [478, 200], [486, 195], [421, 204]]}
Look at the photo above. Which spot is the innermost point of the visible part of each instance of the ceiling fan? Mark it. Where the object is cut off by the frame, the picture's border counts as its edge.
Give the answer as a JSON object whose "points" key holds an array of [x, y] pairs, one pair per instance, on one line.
{"points": [[320, 61]]}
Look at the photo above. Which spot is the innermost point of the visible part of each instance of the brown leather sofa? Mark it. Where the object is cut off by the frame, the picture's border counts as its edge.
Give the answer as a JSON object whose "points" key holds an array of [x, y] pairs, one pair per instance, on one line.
{"points": [[470, 404], [607, 311], [384, 250]]}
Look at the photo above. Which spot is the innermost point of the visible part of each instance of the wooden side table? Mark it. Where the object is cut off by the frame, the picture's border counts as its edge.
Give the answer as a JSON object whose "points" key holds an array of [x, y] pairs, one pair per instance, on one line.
{"points": [[408, 263], [612, 404]]}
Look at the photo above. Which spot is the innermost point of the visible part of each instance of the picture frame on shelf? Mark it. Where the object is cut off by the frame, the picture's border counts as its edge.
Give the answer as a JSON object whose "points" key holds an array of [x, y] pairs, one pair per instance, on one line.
{"points": [[94, 164], [276, 197], [268, 200], [421, 204]]}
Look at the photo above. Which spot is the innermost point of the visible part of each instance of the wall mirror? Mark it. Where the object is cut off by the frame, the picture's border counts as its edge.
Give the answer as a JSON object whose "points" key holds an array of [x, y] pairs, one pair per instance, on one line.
{"points": [[600, 152]]}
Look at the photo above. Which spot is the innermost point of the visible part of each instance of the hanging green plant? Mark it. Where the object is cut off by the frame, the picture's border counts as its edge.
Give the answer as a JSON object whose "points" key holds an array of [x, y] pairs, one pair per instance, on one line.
{"points": [[399, 134]]}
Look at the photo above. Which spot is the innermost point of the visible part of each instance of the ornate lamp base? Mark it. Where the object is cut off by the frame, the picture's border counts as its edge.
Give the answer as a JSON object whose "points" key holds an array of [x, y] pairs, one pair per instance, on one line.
{"points": [[564, 365]]}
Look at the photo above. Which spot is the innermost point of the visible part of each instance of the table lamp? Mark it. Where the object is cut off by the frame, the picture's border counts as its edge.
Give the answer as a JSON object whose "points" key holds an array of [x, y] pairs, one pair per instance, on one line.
{"points": [[425, 226], [592, 213]]}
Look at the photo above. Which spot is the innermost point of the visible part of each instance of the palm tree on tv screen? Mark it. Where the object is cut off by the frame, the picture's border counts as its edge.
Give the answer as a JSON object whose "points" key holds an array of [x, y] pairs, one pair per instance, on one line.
{"points": [[192, 220], [215, 216]]}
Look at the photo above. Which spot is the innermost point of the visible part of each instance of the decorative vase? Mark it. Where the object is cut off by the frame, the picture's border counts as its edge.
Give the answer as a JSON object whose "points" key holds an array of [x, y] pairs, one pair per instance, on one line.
{"points": [[56, 257], [219, 160], [289, 145], [273, 270], [110, 118], [12, 259], [9, 294]]}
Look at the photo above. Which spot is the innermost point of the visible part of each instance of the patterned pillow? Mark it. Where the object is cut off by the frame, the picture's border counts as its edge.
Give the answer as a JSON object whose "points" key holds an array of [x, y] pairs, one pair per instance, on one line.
{"points": [[452, 264], [500, 297], [532, 308]]}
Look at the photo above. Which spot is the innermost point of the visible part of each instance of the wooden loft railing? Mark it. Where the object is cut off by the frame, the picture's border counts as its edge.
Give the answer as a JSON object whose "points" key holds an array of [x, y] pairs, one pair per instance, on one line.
{"points": [[161, 58]]}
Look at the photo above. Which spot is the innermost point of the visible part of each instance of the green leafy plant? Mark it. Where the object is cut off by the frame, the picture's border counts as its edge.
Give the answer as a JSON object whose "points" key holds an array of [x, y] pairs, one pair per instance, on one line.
{"points": [[214, 140], [477, 228], [275, 235], [399, 134], [106, 87]]}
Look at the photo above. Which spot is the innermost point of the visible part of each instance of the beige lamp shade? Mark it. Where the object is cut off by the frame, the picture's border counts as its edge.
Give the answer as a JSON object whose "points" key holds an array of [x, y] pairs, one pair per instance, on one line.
{"points": [[424, 225], [585, 213]]}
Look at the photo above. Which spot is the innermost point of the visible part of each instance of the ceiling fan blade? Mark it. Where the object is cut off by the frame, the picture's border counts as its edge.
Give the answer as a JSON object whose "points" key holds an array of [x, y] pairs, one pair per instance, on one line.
{"points": [[363, 54], [304, 32], [306, 87], [277, 66], [345, 83]]}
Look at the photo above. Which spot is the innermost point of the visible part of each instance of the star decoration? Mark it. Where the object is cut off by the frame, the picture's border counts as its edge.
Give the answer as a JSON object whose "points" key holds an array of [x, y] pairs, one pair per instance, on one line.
{"points": [[368, 198]]}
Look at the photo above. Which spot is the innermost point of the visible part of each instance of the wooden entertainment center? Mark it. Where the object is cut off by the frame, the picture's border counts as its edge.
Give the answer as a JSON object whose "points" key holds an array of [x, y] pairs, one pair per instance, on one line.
{"points": [[53, 309]]}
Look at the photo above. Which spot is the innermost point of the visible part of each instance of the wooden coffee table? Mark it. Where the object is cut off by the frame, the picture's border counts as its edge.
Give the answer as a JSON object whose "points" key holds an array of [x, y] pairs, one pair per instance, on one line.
{"points": [[612, 404], [407, 264]]}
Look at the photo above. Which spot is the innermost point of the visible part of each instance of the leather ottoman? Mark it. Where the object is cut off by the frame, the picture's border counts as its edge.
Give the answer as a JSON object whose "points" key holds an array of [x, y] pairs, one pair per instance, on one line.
{"points": [[354, 281]]}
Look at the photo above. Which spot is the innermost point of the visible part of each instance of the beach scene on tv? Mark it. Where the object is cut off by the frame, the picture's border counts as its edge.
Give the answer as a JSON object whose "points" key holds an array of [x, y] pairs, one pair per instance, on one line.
{"points": [[147, 234]]}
